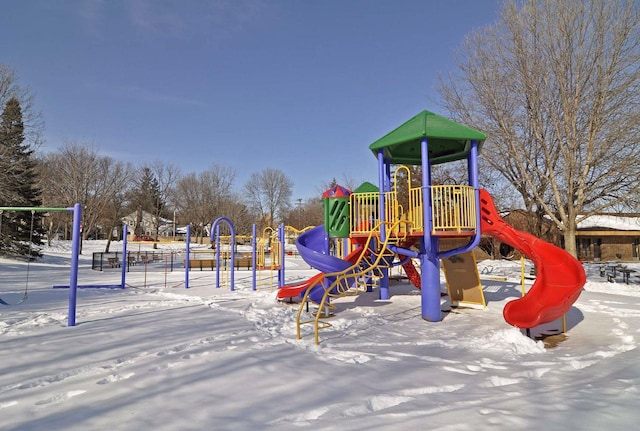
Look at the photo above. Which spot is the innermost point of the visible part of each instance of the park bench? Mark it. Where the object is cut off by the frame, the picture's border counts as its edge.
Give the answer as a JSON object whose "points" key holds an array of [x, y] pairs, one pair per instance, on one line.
{"points": [[201, 263], [612, 270], [242, 262], [150, 258], [114, 262]]}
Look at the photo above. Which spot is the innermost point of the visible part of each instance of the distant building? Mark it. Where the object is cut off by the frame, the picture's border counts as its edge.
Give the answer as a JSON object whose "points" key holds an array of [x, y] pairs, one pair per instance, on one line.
{"points": [[491, 248], [598, 238], [609, 237], [148, 223]]}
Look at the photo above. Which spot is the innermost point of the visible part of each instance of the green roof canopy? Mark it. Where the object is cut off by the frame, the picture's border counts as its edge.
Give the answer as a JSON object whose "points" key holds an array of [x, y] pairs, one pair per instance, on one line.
{"points": [[448, 141], [366, 187]]}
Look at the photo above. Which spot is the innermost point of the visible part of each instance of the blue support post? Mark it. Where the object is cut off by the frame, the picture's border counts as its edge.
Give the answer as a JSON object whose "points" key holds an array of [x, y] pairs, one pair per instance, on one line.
{"points": [[75, 253], [383, 178], [125, 258], [215, 235], [429, 260], [187, 260], [215, 239], [254, 260], [472, 167], [281, 239], [383, 184], [475, 183]]}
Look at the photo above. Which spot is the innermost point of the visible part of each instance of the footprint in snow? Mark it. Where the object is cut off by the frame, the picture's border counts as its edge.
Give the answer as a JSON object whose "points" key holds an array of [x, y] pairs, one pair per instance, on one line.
{"points": [[194, 355], [114, 378], [61, 397], [166, 366]]}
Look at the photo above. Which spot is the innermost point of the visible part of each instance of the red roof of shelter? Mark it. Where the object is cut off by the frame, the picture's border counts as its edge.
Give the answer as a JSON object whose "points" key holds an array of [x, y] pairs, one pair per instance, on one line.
{"points": [[337, 191]]}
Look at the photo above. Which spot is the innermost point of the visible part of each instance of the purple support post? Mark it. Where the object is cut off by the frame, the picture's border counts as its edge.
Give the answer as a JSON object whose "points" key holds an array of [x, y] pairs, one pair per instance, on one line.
{"points": [[475, 183], [472, 167], [254, 260], [381, 202], [75, 253], [125, 258], [215, 239], [232, 285], [383, 178], [472, 164], [281, 239], [429, 260], [187, 260]]}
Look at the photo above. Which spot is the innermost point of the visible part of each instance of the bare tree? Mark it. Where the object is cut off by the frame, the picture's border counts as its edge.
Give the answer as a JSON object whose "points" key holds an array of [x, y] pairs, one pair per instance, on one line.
{"points": [[167, 175], [79, 174], [236, 210], [201, 198], [307, 212], [554, 84], [112, 216], [268, 193]]}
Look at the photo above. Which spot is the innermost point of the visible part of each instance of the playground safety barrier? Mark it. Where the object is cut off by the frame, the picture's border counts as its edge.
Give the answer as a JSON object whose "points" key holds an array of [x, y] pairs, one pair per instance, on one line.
{"points": [[453, 211]]}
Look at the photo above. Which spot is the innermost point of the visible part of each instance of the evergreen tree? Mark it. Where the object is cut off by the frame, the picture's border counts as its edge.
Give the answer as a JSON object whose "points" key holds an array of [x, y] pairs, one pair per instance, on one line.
{"points": [[146, 197], [20, 181]]}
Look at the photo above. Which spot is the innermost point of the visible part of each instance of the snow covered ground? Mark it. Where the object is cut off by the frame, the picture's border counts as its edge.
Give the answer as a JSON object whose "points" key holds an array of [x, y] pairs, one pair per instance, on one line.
{"points": [[158, 356]]}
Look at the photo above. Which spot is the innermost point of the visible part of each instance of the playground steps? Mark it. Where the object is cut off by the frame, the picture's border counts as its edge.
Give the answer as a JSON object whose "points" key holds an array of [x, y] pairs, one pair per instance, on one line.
{"points": [[354, 280]]}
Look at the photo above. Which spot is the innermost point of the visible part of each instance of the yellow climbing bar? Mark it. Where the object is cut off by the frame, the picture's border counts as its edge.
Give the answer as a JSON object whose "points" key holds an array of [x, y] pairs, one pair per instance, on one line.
{"points": [[350, 281]]}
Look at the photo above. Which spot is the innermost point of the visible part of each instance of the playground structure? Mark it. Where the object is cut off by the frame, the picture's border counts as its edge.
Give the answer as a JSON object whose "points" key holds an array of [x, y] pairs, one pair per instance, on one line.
{"points": [[262, 254], [266, 254], [371, 230], [400, 221], [273, 260]]}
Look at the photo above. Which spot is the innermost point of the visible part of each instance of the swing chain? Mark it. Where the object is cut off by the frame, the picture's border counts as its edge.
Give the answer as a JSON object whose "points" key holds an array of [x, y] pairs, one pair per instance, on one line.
{"points": [[26, 285]]}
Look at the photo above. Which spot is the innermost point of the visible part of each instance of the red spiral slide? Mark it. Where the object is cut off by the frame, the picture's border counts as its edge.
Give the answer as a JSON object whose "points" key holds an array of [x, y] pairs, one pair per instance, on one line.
{"points": [[560, 276]]}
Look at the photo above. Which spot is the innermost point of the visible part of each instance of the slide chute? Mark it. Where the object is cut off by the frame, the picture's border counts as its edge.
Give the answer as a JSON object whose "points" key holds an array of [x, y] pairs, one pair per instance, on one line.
{"points": [[560, 276]]}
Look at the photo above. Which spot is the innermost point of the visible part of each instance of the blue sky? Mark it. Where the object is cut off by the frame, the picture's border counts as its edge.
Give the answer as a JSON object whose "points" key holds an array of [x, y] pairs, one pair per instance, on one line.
{"points": [[300, 86]]}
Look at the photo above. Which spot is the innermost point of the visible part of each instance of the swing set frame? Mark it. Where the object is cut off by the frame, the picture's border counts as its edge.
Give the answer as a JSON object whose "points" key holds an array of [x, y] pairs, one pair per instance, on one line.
{"points": [[75, 251]]}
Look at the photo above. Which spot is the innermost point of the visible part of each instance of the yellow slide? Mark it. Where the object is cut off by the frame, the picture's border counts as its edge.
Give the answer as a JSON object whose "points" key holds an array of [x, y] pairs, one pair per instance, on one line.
{"points": [[463, 281]]}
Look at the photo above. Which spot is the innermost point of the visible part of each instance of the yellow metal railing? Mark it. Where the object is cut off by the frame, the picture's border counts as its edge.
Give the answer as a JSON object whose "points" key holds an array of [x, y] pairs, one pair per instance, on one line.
{"points": [[454, 209], [268, 252], [414, 211], [453, 206], [363, 209]]}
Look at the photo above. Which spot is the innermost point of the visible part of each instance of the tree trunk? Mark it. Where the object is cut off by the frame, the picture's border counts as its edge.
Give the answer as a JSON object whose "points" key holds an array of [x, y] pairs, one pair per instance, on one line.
{"points": [[570, 241]]}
